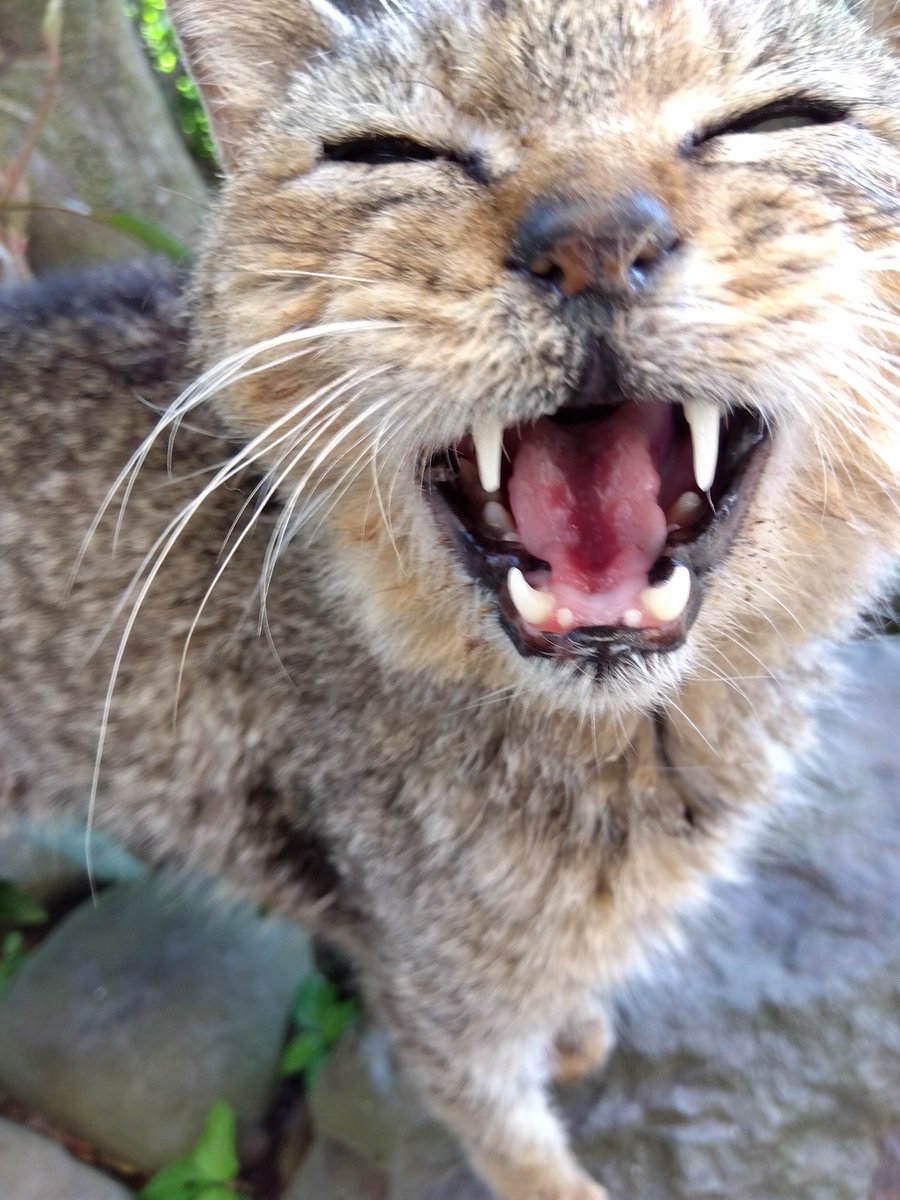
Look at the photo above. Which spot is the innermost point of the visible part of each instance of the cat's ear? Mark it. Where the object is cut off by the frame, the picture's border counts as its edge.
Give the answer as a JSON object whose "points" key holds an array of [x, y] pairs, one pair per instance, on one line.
{"points": [[883, 18], [241, 54]]}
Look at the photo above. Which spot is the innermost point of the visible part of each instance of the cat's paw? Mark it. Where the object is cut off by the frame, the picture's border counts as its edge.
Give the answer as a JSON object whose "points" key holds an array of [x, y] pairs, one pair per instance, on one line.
{"points": [[580, 1187], [584, 1189], [582, 1048], [542, 1183]]}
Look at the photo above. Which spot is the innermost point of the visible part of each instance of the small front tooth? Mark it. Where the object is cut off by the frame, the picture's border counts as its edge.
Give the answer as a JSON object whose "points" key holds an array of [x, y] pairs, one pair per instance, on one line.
{"points": [[685, 511], [667, 601], [536, 607], [565, 618], [704, 422], [488, 439], [497, 517]]}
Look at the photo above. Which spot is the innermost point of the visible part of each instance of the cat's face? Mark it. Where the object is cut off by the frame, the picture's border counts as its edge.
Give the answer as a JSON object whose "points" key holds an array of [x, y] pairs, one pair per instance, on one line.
{"points": [[607, 393]]}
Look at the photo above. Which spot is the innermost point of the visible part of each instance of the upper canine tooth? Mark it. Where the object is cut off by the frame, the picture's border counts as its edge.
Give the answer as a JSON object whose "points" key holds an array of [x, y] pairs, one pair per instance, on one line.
{"points": [[667, 601], [704, 421], [536, 607], [488, 439]]}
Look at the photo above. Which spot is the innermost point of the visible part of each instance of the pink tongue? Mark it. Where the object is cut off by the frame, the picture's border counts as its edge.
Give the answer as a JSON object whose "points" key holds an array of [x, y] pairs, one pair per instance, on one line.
{"points": [[584, 497]]}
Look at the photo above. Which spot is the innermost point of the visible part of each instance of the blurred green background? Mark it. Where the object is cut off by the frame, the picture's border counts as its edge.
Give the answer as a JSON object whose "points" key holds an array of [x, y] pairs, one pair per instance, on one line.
{"points": [[156, 30]]}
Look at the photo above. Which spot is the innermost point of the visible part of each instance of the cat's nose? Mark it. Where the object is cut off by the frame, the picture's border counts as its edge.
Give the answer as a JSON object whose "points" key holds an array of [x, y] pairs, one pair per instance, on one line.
{"points": [[612, 247]]}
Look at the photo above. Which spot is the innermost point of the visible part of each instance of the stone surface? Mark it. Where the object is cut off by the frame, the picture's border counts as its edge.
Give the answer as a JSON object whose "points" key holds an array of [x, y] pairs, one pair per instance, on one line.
{"points": [[134, 1016], [33, 1168], [109, 142], [332, 1171], [48, 862], [765, 1064]]}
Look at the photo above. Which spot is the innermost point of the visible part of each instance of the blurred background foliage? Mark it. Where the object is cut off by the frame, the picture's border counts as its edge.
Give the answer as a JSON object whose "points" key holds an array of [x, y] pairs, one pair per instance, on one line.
{"points": [[156, 31], [105, 151]]}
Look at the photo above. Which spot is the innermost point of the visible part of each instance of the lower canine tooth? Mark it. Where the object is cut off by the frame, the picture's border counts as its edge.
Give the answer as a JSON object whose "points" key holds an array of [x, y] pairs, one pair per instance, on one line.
{"points": [[498, 517], [667, 601], [534, 606]]}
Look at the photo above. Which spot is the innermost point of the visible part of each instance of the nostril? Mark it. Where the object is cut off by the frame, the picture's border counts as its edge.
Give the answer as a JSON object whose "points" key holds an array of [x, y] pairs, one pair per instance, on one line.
{"points": [[544, 267], [659, 246], [608, 246], [659, 241]]}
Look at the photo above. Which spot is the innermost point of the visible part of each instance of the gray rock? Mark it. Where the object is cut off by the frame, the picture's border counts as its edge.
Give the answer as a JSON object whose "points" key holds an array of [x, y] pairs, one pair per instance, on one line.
{"points": [[333, 1171], [47, 861], [33, 1168], [136, 1015], [764, 1064]]}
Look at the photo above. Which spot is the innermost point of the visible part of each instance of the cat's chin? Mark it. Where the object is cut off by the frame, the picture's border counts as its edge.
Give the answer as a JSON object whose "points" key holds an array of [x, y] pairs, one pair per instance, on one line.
{"points": [[589, 529]]}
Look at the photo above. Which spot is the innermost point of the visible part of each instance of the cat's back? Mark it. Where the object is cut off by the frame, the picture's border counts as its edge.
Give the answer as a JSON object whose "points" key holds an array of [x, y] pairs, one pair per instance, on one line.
{"points": [[88, 361], [112, 543], [86, 341]]}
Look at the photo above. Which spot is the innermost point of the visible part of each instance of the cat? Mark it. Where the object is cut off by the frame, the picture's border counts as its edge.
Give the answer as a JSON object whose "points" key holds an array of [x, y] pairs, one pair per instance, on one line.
{"points": [[470, 595]]}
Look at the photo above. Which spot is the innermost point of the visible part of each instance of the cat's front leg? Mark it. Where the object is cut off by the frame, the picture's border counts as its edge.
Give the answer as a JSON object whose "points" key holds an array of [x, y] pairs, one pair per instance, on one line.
{"points": [[515, 1141], [493, 1097]]}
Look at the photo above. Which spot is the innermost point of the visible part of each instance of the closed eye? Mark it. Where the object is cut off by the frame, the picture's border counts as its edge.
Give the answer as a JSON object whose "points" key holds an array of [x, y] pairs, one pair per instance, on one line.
{"points": [[792, 112], [379, 149]]}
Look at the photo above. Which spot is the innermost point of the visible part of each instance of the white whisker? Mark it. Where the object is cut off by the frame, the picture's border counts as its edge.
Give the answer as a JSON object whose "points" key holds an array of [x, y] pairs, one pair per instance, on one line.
{"points": [[211, 381], [289, 272], [205, 386]]}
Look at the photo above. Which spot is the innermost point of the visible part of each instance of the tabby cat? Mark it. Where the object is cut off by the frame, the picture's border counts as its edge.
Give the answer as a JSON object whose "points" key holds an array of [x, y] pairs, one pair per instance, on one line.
{"points": [[469, 595]]}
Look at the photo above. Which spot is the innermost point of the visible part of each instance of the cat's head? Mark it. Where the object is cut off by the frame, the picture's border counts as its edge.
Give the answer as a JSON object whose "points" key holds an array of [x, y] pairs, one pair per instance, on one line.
{"points": [[568, 329]]}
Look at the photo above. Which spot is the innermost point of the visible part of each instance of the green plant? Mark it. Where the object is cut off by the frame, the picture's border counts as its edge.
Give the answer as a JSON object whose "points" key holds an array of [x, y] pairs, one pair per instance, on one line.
{"points": [[18, 909], [156, 31], [15, 909], [320, 1016], [146, 232], [209, 1172], [12, 956]]}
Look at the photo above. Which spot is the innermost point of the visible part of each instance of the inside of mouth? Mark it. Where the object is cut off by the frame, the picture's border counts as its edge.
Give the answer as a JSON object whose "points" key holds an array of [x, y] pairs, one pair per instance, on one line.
{"points": [[594, 496]]}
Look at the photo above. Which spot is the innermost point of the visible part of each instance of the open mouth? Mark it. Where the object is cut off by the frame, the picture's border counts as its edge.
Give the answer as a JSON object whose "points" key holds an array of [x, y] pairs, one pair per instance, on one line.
{"points": [[595, 528]]}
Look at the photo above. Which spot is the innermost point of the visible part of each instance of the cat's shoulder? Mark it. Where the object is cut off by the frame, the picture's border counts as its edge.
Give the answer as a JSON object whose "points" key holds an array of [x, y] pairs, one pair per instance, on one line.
{"points": [[127, 321]]}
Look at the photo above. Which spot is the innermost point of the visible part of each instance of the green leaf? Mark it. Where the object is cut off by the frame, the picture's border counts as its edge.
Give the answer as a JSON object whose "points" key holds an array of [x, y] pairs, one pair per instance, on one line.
{"points": [[178, 1181], [143, 231], [314, 1068], [159, 39], [18, 909], [12, 955], [215, 1156], [302, 1050], [13, 945], [315, 997], [336, 1020], [201, 1174]]}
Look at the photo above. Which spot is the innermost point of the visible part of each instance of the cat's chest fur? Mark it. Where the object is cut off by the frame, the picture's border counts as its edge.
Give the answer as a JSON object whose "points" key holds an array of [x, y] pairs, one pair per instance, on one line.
{"points": [[437, 811]]}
